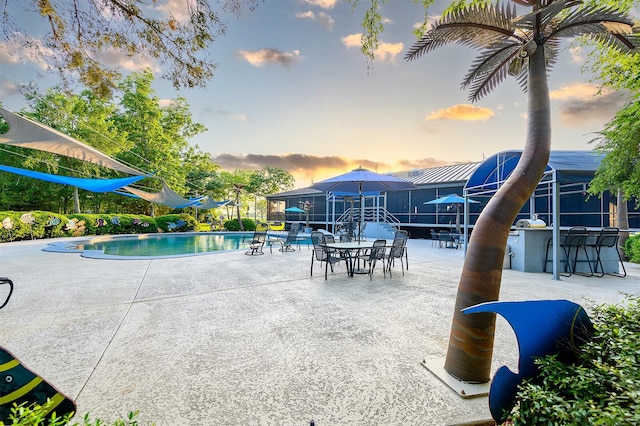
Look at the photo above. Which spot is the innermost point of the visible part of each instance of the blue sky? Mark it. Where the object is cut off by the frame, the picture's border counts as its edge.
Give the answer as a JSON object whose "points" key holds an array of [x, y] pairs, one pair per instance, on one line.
{"points": [[293, 90]]}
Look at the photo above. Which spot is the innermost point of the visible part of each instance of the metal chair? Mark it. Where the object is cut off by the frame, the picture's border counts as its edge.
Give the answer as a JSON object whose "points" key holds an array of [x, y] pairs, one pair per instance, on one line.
{"points": [[435, 238], [404, 236], [574, 241], [608, 238], [292, 238], [397, 251], [256, 243], [448, 240], [323, 254], [375, 254]]}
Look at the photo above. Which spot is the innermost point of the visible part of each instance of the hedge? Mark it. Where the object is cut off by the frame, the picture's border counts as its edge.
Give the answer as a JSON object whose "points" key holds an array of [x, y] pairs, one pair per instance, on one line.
{"points": [[51, 225]]}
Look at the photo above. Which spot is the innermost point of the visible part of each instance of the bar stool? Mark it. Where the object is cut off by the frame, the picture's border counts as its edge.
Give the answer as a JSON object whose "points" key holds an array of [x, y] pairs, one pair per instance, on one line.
{"points": [[574, 240], [608, 238]]}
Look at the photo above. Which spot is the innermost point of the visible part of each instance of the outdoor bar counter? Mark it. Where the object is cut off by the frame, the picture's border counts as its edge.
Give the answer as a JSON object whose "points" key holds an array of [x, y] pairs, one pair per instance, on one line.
{"points": [[528, 247]]}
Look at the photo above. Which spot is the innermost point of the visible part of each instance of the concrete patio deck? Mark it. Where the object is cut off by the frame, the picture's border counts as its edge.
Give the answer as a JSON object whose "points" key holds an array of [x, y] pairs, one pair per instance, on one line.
{"points": [[229, 339]]}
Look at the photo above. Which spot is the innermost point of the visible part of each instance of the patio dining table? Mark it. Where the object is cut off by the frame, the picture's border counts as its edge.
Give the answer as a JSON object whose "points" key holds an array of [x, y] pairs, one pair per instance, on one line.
{"points": [[350, 251]]}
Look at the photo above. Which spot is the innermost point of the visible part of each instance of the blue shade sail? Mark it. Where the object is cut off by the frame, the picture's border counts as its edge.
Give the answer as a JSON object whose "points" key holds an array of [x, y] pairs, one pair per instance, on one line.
{"points": [[93, 185], [26, 133]]}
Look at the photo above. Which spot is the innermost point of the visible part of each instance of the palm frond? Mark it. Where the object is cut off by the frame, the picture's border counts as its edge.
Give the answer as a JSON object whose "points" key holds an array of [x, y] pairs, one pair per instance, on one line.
{"points": [[544, 15], [490, 69], [474, 26], [629, 43], [590, 21]]}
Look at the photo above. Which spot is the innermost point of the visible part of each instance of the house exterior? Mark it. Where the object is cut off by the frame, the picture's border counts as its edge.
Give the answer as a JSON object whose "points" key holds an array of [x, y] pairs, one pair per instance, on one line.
{"points": [[568, 172]]}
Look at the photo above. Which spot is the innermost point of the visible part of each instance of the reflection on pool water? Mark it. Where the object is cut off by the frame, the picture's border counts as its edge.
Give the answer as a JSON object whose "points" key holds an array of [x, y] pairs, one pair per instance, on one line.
{"points": [[145, 246]]}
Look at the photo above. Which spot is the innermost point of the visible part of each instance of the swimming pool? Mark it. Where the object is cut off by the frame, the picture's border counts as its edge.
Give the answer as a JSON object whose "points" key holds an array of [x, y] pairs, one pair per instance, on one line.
{"points": [[146, 246]]}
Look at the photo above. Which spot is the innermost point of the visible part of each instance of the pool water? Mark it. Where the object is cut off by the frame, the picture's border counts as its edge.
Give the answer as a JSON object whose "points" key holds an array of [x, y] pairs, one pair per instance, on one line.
{"points": [[154, 245]]}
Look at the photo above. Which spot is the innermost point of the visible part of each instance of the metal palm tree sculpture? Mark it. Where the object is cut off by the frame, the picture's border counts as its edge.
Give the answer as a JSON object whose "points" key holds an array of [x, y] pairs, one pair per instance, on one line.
{"points": [[523, 47]]}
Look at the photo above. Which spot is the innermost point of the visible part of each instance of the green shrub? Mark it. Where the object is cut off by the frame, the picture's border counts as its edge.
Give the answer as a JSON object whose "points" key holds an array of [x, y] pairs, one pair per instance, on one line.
{"points": [[233, 225], [23, 231], [602, 388], [36, 415], [632, 248]]}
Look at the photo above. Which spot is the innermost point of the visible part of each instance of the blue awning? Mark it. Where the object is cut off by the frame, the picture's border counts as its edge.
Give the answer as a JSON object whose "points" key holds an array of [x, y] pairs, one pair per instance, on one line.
{"points": [[570, 166]]}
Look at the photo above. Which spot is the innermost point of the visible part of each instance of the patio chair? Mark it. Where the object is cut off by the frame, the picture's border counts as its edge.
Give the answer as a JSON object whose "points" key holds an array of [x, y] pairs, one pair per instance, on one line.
{"points": [[322, 254], [404, 236], [375, 254], [397, 251], [435, 238], [5, 280], [256, 243], [448, 240], [608, 238], [292, 238]]}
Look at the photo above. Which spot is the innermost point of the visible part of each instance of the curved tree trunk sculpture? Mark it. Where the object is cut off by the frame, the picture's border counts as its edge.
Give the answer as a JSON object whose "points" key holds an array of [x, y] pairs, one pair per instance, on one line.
{"points": [[471, 340]]}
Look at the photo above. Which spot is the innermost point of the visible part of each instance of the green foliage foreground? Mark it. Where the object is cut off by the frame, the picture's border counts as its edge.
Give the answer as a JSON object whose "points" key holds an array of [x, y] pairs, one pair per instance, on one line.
{"points": [[632, 248], [602, 388], [36, 415]]}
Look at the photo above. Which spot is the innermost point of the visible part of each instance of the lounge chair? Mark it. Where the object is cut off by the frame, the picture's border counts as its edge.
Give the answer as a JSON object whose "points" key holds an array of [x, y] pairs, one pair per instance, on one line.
{"points": [[323, 254], [292, 238], [256, 243]]}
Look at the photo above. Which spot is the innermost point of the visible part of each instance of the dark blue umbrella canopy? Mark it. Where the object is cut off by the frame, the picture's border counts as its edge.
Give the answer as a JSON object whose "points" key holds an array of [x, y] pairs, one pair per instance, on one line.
{"points": [[359, 180], [450, 199]]}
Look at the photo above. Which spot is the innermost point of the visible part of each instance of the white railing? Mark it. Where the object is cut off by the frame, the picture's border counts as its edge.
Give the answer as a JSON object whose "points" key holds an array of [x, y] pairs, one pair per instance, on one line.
{"points": [[369, 214]]}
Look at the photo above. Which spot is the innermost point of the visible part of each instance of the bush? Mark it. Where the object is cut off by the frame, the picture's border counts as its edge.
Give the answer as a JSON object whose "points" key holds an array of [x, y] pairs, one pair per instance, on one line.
{"points": [[233, 225], [23, 231], [36, 415], [602, 388], [632, 248]]}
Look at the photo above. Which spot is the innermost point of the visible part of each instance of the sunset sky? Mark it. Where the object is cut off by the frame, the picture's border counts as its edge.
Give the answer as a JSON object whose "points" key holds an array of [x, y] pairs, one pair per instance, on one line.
{"points": [[293, 90]]}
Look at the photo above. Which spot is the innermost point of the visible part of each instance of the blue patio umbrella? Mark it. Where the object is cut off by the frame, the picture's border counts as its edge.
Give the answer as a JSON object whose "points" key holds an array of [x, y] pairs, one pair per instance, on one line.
{"points": [[453, 199], [294, 210], [359, 180]]}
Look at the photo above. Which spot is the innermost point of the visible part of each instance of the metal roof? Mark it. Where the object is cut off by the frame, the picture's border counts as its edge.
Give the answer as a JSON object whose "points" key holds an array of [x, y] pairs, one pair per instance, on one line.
{"points": [[433, 175], [442, 174]]}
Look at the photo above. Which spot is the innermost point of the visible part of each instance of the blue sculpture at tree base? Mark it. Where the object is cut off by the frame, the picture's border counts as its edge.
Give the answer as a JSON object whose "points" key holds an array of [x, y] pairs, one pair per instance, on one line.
{"points": [[542, 327]]}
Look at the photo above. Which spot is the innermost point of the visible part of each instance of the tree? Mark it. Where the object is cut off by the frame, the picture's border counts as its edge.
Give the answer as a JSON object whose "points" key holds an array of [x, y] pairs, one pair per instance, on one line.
{"points": [[268, 180], [523, 47], [159, 134], [83, 116], [618, 171], [80, 33]]}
